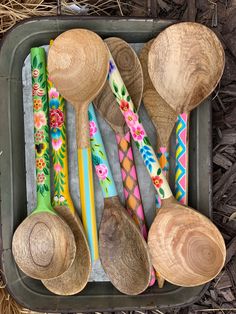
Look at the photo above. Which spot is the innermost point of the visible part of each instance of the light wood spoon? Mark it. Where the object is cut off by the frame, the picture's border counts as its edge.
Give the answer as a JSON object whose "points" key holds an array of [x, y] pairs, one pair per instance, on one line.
{"points": [[131, 71], [186, 62], [123, 250], [78, 66], [43, 245], [105, 103], [163, 118], [75, 278], [186, 247]]}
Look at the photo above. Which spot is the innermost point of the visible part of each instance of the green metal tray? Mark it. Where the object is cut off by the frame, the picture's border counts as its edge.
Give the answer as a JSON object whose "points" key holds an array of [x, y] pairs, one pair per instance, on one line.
{"points": [[97, 296]]}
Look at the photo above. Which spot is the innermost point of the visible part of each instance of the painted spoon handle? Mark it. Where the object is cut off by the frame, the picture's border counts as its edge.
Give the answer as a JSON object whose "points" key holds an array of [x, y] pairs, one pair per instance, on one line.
{"points": [[130, 182], [131, 186], [137, 131], [57, 116], [41, 132], [181, 158], [99, 156]]}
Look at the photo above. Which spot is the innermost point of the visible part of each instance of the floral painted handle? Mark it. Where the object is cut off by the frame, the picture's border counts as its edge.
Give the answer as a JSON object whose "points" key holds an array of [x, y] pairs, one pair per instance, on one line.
{"points": [[181, 159], [130, 182], [59, 149], [137, 131], [99, 156], [41, 130], [163, 157]]}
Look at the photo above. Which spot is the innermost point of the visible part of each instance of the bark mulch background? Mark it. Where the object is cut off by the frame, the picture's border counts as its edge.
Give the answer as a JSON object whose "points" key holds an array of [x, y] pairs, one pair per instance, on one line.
{"points": [[221, 17]]}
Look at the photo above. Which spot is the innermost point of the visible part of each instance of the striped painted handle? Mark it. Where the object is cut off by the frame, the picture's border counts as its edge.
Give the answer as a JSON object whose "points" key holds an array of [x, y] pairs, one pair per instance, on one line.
{"points": [[181, 159], [131, 186], [99, 156], [87, 199], [130, 182], [41, 129], [137, 131], [57, 115]]}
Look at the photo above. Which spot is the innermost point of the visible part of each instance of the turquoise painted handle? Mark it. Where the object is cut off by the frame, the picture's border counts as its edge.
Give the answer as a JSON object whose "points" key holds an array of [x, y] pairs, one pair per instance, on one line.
{"points": [[137, 131], [41, 129], [99, 156]]}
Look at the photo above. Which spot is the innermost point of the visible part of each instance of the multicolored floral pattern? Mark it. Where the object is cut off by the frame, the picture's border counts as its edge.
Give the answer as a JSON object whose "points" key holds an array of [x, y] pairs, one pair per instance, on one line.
{"points": [[40, 107], [137, 131], [99, 158], [58, 135]]}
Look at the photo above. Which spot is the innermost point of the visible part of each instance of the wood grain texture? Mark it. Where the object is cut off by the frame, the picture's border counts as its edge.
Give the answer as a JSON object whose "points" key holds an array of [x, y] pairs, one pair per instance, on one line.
{"points": [[186, 62], [78, 66], [185, 246], [43, 246], [131, 71], [123, 250], [161, 114], [75, 278]]}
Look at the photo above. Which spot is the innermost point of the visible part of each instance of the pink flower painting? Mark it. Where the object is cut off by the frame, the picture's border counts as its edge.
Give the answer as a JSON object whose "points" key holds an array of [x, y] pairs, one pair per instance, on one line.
{"points": [[53, 93], [56, 143], [138, 132], [130, 118], [57, 167], [101, 171], [92, 128]]}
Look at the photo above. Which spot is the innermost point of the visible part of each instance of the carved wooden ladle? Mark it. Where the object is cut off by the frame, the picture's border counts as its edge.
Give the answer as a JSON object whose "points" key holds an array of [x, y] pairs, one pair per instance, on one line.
{"points": [[78, 66], [43, 245], [131, 71], [75, 278], [186, 247]]}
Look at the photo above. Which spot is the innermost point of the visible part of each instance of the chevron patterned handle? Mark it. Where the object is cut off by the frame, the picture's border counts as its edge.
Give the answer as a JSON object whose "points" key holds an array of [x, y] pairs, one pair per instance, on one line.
{"points": [[181, 157]]}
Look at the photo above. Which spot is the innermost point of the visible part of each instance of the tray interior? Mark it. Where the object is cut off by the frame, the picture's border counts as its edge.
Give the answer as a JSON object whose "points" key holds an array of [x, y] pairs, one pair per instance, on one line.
{"points": [[17, 198]]}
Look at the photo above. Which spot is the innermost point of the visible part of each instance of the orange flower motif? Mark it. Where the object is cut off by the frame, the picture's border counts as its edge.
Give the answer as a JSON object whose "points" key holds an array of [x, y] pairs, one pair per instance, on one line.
{"points": [[37, 104], [157, 181], [40, 163]]}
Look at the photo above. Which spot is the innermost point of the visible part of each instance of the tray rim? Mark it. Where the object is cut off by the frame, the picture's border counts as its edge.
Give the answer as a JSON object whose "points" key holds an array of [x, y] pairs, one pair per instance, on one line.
{"points": [[7, 78]]}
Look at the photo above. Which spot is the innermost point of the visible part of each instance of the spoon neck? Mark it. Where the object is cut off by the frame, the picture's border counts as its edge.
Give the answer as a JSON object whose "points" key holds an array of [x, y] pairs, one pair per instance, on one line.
{"points": [[44, 205], [82, 126]]}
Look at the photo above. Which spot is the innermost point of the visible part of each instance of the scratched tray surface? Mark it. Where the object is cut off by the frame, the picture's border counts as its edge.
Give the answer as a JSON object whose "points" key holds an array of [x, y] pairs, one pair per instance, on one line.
{"points": [[18, 193]]}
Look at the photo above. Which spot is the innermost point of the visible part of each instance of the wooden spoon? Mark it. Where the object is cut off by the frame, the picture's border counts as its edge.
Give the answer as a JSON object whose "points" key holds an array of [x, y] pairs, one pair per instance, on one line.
{"points": [[186, 62], [186, 247], [76, 277], [78, 67], [123, 250], [43, 245], [163, 118]]}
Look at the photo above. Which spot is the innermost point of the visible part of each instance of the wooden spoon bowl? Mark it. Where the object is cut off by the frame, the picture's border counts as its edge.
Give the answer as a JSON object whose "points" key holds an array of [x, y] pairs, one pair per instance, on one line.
{"points": [[123, 250], [34, 248], [191, 250], [186, 62], [75, 278]]}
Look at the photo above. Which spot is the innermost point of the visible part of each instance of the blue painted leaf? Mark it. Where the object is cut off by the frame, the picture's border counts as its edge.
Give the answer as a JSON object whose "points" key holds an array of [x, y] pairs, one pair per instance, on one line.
{"points": [[151, 160], [146, 147], [150, 167]]}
